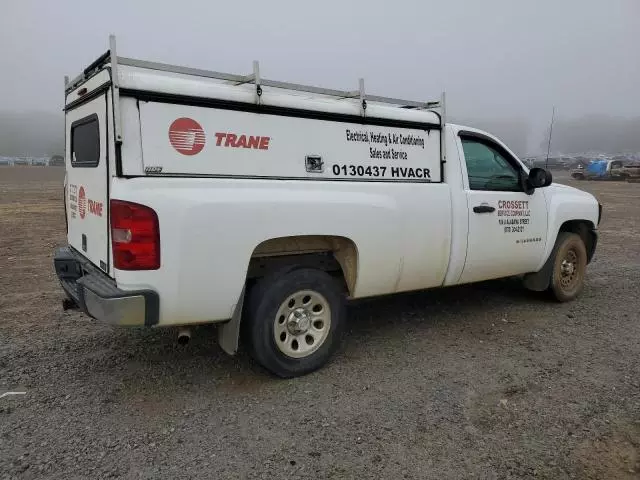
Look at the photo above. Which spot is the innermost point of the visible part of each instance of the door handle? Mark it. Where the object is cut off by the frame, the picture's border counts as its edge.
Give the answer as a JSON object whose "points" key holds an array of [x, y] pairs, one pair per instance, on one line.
{"points": [[483, 209]]}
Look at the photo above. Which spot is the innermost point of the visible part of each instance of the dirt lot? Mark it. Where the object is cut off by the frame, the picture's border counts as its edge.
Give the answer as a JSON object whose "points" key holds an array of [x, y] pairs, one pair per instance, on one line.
{"points": [[482, 381]]}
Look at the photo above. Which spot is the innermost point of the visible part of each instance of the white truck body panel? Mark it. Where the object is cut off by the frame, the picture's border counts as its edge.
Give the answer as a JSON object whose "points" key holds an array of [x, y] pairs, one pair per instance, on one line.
{"points": [[87, 185], [493, 239], [393, 181], [131, 150], [244, 144], [565, 204], [401, 245]]}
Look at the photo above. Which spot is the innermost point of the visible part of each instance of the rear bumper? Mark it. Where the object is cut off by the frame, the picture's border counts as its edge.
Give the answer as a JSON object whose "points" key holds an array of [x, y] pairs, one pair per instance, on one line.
{"points": [[99, 297]]}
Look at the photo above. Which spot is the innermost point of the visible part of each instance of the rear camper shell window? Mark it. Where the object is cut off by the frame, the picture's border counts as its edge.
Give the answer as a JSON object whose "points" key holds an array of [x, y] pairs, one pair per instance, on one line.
{"points": [[85, 142]]}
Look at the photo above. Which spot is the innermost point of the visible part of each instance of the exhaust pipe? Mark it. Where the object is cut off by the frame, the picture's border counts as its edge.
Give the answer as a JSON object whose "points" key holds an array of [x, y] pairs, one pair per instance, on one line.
{"points": [[184, 335], [68, 304]]}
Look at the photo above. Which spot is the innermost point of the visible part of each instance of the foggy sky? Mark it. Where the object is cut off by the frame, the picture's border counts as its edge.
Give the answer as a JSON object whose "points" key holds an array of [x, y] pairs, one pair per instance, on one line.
{"points": [[496, 59]]}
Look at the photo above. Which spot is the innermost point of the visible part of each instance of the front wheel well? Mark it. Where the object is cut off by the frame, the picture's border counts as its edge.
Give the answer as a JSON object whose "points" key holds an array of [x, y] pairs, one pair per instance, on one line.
{"points": [[540, 280], [586, 230]]}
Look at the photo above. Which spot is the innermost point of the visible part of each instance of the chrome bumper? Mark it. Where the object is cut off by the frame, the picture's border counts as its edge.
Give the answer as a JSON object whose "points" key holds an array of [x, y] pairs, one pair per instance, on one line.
{"points": [[97, 295]]}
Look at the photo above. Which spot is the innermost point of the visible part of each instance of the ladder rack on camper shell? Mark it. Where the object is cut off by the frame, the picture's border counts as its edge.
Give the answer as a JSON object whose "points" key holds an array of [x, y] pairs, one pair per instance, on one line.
{"points": [[110, 57]]}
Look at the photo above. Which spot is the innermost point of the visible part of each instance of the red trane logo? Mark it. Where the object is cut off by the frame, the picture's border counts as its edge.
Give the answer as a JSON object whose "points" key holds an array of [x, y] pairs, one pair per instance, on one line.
{"points": [[187, 136], [234, 140], [82, 203], [85, 204]]}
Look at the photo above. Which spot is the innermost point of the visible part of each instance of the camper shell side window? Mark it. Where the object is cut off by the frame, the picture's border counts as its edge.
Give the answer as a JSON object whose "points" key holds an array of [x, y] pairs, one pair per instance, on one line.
{"points": [[85, 142]]}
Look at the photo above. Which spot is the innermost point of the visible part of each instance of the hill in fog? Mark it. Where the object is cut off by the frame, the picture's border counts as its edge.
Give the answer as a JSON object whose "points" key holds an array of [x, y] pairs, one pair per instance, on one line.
{"points": [[31, 134], [41, 134], [595, 133]]}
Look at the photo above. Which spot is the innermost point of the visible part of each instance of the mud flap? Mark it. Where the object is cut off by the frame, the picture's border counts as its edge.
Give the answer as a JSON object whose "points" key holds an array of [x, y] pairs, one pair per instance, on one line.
{"points": [[540, 280], [229, 333]]}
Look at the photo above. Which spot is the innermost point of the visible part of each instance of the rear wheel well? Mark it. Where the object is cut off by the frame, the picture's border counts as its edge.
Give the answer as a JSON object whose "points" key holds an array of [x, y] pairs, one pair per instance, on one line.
{"points": [[333, 254], [584, 228]]}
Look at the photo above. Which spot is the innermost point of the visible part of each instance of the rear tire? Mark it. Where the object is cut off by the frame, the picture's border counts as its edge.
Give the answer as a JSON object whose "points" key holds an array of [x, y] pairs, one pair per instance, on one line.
{"points": [[569, 267], [294, 321]]}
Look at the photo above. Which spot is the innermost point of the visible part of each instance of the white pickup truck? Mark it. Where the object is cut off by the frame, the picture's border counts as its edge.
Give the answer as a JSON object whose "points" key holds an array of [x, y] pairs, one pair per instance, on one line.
{"points": [[198, 197]]}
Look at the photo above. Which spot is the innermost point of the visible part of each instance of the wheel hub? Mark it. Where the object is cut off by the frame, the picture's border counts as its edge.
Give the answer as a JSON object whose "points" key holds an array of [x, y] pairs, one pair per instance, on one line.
{"points": [[302, 323], [299, 321], [567, 268]]}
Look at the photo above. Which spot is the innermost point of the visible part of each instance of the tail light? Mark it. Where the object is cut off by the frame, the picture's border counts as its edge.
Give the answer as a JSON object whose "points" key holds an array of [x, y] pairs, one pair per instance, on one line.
{"points": [[135, 235]]}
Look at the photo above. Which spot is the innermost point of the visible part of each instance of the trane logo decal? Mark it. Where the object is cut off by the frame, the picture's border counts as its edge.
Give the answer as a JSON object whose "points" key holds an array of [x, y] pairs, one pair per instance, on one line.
{"points": [[234, 140], [82, 203], [187, 136], [85, 204], [95, 208]]}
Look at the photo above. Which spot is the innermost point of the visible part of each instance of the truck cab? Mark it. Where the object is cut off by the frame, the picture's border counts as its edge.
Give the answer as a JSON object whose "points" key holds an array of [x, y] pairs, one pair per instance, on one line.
{"points": [[513, 214], [263, 206]]}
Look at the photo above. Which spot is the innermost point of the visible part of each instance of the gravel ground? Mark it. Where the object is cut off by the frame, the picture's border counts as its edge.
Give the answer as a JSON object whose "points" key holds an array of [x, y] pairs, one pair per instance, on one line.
{"points": [[482, 381]]}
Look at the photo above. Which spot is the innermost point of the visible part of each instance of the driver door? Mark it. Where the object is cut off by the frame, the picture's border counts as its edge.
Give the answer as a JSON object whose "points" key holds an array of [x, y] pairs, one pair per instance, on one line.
{"points": [[507, 227]]}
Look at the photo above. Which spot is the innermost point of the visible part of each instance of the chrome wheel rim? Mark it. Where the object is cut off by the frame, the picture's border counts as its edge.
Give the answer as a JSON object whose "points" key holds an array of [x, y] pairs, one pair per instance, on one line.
{"points": [[302, 323]]}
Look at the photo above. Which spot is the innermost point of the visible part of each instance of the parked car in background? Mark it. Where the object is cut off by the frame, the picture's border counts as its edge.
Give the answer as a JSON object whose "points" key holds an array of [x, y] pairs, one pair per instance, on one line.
{"points": [[599, 170], [56, 161], [630, 172]]}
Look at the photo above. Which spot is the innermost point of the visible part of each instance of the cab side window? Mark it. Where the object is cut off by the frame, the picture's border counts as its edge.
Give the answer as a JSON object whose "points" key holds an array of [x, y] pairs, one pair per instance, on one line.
{"points": [[488, 169]]}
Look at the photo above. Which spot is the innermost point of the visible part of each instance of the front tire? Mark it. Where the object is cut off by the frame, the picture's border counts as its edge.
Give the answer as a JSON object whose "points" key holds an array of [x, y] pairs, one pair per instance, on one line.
{"points": [[294, 321], [569, 267]]}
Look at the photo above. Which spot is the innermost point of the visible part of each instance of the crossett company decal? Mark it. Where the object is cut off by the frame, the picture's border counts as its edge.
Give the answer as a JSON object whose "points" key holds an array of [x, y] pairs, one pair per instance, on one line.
{"points": [[515, 215]]}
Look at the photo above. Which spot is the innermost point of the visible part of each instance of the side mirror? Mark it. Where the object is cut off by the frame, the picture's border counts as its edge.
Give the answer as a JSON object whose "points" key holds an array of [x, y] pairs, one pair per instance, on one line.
{"points": [[539, 177]]}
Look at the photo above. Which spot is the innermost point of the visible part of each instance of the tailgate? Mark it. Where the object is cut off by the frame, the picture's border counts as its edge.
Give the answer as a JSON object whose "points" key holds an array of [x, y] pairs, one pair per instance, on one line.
{"points": [[86, 161]]}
